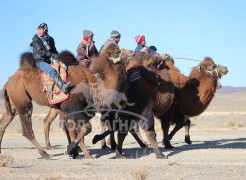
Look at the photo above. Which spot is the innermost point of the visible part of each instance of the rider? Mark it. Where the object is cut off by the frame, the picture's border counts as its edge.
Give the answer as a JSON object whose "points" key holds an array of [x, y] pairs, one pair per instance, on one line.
{"points": [[86, 49], [43, 50], [141, 43], [153, 50], [114, 36]]}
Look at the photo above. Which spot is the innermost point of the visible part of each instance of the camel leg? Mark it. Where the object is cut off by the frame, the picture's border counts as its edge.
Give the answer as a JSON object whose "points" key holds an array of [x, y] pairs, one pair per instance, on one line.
{"points": [[112, 141], [25, 117], [100, 137], [187, 124], [50, 117], [179, 120], [103, 141], [5, 121], [121, 137], [84, 130], [84, 149], [151, 135], [136, 134], [165, 125], [72, 148]]}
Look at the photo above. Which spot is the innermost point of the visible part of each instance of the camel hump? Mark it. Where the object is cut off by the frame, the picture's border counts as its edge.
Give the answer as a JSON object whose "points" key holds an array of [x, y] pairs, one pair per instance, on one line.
{"points": [[67, 58], [27, 61]]}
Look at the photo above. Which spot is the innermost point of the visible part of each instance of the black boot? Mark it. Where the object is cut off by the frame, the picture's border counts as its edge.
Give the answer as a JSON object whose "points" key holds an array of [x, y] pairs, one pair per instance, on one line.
{"points": [[64, 87]]}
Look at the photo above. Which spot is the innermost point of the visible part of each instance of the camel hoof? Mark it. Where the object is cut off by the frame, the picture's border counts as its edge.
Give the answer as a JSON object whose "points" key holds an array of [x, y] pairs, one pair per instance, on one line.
{"points": [[95, 139], [187, 140], [119, 155], [49, 148], [159, 154], [75, 154], [89, 157], [105, 147], [72, 150], [45, 155], [168, 145]]}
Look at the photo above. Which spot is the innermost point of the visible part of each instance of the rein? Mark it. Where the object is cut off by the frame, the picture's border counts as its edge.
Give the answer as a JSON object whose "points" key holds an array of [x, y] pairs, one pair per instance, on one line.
{"points": [[187, 59]]}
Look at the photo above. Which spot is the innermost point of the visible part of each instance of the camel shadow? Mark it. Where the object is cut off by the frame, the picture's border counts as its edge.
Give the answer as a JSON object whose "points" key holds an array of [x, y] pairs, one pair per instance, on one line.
{"points": [[239, 143]]}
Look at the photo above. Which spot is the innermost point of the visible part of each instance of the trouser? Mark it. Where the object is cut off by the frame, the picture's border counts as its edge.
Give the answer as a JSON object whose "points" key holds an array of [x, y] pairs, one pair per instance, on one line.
{"points": [[45, 67]]}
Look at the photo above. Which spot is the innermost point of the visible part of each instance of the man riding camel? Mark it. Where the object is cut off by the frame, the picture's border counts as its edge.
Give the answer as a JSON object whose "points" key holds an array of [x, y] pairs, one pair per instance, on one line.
{"points": [[86, 49], [114, 36], [44, 49]]}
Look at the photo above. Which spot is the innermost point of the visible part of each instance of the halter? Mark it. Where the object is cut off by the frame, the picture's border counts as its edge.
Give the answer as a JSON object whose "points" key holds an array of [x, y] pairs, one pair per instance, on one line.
{"points": [[214, 70], [211, 72], [116, 60]]}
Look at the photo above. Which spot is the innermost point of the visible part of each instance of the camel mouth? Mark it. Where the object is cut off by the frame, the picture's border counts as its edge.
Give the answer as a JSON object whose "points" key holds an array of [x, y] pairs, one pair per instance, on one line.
{"points": [[222, 73]]}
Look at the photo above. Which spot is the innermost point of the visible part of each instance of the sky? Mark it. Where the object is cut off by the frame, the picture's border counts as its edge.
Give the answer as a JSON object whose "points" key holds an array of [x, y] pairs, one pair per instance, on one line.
{"points": [[182, 28]]}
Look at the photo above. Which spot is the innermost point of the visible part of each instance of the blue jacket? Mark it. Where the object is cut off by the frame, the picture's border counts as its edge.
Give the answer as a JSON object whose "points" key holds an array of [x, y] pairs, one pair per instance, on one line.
{"points": [[139, 47]]}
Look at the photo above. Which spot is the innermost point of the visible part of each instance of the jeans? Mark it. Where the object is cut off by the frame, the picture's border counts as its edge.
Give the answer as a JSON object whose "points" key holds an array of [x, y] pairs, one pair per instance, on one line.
{"points": [[45, 67]]}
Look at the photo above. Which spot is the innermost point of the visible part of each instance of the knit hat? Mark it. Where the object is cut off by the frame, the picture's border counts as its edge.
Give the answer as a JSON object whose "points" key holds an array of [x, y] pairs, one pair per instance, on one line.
{"points": [[44, 26], [115, 34], [87, 34], [139, 39]]}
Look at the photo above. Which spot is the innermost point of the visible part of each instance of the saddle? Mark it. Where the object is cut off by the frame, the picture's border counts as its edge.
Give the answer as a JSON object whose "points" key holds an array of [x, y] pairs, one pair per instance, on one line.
{"points": [[53, 93]]}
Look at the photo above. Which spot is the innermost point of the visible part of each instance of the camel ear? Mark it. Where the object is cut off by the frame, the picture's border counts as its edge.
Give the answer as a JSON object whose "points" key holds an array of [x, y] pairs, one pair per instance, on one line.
{"points": [[198, 68]]}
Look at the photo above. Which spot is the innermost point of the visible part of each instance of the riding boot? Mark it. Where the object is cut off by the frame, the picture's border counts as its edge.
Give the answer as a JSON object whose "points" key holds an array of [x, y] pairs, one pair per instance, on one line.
{"points": [[64, 87]]}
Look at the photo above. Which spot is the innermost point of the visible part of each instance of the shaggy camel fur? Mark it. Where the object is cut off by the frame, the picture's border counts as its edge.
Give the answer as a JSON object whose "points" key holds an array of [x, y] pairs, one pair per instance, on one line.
{"points": [[25, 86], [193, 94], [158, 93]]}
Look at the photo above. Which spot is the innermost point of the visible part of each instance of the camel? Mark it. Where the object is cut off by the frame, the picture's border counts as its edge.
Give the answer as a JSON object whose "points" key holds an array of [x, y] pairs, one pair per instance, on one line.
{"points": [[158, 92], [25, 86], [194, 93], [210, 73]]}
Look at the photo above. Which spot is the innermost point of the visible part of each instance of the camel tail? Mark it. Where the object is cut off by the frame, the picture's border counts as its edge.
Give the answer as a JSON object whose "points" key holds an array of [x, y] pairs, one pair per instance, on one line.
{"points": [[6, 101], [27, 61]]}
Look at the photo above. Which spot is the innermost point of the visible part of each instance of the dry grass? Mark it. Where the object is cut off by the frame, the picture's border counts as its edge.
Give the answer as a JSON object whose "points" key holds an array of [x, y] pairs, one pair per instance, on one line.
{"points": [[140, 174], [173, 163], [87, 163], [230, 123], [5, 160]]}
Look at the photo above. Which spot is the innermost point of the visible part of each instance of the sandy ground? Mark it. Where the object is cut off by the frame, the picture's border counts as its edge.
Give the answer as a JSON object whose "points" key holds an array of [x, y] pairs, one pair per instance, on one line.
{"points": [[218, 150]]}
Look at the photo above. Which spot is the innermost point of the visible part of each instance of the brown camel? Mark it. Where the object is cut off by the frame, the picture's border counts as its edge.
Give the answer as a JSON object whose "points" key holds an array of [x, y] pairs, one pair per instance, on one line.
{"points": [[158, 93], [25, 86], [205, 86], [193, 94]]}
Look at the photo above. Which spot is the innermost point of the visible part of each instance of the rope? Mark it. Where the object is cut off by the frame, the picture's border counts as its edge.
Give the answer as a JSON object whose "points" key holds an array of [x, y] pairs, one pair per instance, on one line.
{"points": [[188, 59]]}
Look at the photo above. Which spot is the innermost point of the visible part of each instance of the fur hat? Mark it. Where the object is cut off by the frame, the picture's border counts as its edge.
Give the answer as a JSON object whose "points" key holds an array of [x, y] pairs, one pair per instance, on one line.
{"points": [[115, 34], [87, 34], [139, 39]]}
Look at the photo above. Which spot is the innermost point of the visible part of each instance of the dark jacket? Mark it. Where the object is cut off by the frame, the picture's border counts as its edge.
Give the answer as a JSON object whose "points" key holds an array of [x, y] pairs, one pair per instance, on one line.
{"points": [[86, 50], [43, 51]]}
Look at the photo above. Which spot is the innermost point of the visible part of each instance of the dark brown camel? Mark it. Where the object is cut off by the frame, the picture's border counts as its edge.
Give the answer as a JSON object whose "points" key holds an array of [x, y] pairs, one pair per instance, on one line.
{"points": [[25, 86], [193, 94], [158, 93]]}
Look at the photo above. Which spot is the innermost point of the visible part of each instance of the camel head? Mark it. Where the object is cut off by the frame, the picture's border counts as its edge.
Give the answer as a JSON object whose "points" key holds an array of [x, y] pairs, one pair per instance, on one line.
{"points": [[169, 62], [111, 50], [211, 69]]}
